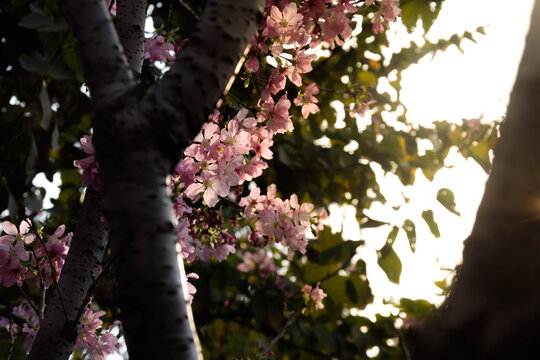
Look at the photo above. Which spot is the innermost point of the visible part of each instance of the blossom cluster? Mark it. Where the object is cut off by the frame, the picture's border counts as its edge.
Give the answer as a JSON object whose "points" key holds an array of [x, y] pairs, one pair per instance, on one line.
{"points": [[314, 296], [226, 155], [388, 12], [25, 254], [93, 339]]}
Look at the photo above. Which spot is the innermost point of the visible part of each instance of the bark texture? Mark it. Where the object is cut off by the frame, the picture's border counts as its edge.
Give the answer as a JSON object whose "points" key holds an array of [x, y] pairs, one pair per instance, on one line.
{"points": [[129, 21], [58, 331], [139, 136], [493, 310]]}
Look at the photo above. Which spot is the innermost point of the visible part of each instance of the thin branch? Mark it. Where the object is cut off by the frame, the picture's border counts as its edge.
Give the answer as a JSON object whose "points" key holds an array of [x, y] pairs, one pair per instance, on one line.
{"points": [[11, 340], [29, 300], [188, 12], [9, 314], [282, 332], [229, 94]]}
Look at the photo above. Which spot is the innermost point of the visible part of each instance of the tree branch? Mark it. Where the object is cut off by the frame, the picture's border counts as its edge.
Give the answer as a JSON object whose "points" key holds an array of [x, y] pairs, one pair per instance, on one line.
{"points": [[107, 71], [129, 21], [57, 334], [9, 314], [186, 10], [184, 98]]}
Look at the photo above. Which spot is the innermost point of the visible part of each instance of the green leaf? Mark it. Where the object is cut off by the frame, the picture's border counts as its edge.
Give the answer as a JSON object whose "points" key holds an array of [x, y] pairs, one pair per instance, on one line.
{"points": [[370, 223], [392, 236], [349, 291], [35, 21], [367, 78], [411, 11], [35, 62], [390, 263], [446, 198], [427, 215], [410, 229], [420, 309], [479, 151]]}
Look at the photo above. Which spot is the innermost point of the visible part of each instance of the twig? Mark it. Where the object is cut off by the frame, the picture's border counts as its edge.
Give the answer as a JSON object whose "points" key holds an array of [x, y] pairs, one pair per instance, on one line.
{"points": [[188, 12], [282, 332], [11, 340], [29, 300], [241, 103]]}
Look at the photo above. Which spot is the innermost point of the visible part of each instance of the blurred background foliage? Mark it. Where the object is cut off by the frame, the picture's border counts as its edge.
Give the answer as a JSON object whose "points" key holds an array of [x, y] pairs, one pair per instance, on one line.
{"points": [[327, 159]]}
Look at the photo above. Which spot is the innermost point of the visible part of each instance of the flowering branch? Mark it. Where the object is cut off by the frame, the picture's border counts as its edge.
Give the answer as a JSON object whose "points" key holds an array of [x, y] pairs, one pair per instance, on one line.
{"points": [[58, 331]]}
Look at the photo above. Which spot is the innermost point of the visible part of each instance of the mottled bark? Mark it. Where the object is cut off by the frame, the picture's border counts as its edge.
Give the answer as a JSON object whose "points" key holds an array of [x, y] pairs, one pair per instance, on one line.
{"points": [[138, 138], [58, 331], [107, 71], [129, 21], [493, 310]]}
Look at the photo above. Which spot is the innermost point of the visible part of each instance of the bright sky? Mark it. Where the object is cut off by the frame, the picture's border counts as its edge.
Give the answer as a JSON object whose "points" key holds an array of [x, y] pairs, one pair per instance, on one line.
{"points": [[453, 86]]}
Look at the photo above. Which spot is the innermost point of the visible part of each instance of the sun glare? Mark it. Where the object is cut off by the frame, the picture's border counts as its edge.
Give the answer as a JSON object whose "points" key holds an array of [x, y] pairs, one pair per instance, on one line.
{"points": [[454, 85]]}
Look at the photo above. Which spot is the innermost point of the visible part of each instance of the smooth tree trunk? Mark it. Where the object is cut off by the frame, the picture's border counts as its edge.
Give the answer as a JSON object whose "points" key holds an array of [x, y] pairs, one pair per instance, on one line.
{"points": [[139, 136], [493, 310]]}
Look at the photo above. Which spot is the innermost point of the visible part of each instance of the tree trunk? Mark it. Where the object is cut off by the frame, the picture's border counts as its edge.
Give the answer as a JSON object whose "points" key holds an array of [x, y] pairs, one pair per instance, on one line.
{"points": [[139, 137], [493, 310]]}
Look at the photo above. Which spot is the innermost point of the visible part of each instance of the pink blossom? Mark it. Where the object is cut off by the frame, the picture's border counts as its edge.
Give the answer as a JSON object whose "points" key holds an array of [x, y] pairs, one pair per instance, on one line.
{"points": [[252, 169], [157, 49], [360, 108], [56, 253], [235, 138], [301, 65], [210, 185], [205, 143], [187, 169], [316, 295], [22, 234], [277, 115], [475, 124], [276, 83], [90, 176], [284, 23], [308, 101], [252, 64], [335, 27], [257, 260], [190, 287]]}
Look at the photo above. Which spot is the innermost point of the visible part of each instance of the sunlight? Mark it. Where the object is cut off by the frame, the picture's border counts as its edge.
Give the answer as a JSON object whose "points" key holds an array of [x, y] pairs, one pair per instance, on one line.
{"points": [[452, 86]]}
